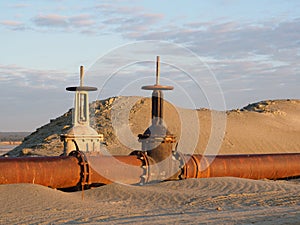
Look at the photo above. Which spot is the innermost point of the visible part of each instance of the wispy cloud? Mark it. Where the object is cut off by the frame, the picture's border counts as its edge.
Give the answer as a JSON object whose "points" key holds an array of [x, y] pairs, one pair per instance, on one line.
{"points": [[241, 53], [19, 77], [20, 5], [50, 20], [102, 18], [31, 96], [80, 23], [13, 24], [81, 20]]}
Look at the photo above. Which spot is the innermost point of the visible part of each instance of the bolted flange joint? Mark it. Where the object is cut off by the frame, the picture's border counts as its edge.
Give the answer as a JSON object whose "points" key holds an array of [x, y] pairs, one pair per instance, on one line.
{"points": [[84, 168]]}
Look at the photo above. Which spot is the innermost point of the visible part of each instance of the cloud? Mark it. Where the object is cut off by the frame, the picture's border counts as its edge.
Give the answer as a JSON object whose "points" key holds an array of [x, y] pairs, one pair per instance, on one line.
{"points": [[231, 39], [20, 5], [51, 20], [30, 96], [65, 23], [20, 77], [126, 20], [136, 23], [12, 24], [109, 9], [245, 52], [81, 20], [236, 51]]}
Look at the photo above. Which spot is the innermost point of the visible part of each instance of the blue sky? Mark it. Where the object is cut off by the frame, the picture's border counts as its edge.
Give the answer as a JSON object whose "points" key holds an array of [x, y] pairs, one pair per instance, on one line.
{"points": [[249, 50]]}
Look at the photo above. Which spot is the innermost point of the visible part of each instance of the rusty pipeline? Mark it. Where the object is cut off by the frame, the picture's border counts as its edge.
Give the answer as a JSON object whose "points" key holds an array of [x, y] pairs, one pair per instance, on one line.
{"points": [[120, 169], [71, 171], [54, 172], [138, 168], [255, 166]]}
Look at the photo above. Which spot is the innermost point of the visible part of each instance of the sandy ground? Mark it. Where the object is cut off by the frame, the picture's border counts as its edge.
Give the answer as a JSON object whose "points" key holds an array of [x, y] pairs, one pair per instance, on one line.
{"points": [[194, 201], [265, 127]]}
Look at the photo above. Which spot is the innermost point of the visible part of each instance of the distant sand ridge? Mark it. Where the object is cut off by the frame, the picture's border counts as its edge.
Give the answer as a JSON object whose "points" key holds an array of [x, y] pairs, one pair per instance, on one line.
{"points": [[265, 127]]}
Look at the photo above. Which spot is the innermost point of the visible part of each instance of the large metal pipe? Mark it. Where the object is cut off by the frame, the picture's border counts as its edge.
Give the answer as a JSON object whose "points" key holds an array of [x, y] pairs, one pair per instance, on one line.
{"points": [[55, 172], [121, 169], [70, 171], [269, 166]]}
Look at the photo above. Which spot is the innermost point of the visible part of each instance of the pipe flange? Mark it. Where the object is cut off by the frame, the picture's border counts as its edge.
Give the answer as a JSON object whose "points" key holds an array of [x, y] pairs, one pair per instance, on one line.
{"points": [[145, 165], [84, 167], [179, 157]]}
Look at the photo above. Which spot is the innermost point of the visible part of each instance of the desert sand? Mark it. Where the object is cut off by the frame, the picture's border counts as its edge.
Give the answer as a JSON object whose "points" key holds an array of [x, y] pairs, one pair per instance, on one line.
{"points": [[264, 127], [193, 201]]}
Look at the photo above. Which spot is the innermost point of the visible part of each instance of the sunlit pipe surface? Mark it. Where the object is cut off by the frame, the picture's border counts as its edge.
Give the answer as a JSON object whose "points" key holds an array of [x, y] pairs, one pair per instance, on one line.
{"points": [[121, 169], [66, 171], [55, 172], [269, 166]]}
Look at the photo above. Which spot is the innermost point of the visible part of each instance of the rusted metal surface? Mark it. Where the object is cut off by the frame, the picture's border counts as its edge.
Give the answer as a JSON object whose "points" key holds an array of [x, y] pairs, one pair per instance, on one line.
{"points": [[269, 166], [141, 168], [70, 171], [120, 169], [55, 172]]}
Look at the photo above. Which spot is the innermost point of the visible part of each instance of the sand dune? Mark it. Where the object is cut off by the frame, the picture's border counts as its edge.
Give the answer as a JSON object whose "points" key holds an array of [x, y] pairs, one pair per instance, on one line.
{"points": [[263, 127]]}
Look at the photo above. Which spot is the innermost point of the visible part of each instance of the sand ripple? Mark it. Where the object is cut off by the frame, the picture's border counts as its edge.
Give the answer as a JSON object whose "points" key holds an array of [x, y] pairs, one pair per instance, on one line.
{"points": [[193, 201]]}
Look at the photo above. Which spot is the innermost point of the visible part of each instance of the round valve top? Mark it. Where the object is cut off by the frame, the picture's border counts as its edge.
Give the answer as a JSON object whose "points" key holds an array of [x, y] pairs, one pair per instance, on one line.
{"points": [[81, 87], [157, 86]]}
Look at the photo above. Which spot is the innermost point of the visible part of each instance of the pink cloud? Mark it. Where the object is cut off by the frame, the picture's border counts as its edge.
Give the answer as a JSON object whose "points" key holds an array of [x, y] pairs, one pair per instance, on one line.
{"points": [[51, 20], [60, 21], [81, 20], [11, 23]]}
